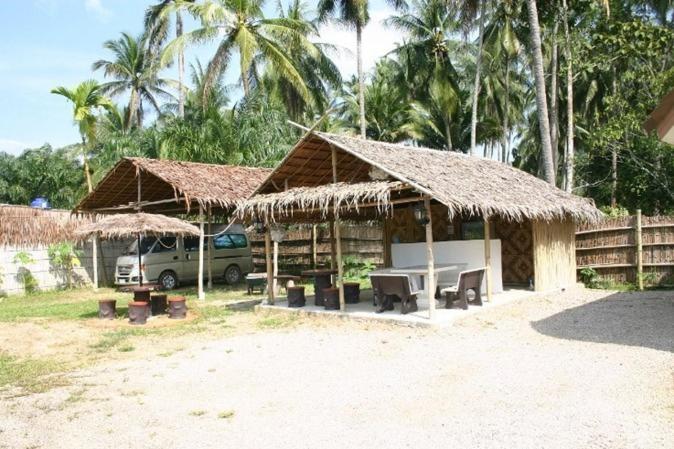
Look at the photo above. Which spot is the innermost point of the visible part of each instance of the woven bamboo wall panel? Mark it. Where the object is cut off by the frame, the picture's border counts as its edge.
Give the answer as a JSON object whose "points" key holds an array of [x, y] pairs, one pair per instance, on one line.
{"points": [[517, 260]]}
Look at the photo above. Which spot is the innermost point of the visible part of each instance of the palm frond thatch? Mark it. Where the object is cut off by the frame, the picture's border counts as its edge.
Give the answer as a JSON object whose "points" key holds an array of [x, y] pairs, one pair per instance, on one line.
{"points": [[24, 227], [130, 225]]}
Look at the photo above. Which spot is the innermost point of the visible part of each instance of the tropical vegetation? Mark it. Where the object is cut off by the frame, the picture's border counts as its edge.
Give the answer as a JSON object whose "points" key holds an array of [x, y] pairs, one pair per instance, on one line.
{"points": [[559, 88]]}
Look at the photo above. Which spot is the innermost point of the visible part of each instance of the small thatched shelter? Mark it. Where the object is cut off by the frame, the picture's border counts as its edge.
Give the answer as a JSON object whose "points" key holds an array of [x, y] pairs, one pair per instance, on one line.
{"points": [[126, 225], [328, 177]]}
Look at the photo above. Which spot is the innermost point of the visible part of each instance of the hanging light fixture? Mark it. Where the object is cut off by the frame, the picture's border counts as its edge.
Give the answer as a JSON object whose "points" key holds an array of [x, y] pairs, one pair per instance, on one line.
{"points": [[259, 226], [420, 215]]}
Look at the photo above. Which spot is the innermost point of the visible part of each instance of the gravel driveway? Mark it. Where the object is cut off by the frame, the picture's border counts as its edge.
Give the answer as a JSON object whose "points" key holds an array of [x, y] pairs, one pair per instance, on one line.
{"points": [[583, 369]]}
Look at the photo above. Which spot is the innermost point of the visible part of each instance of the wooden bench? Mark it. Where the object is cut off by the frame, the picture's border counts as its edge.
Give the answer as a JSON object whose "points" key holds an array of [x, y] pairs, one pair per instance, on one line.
{"points": [[468, 280], [386, 286]]}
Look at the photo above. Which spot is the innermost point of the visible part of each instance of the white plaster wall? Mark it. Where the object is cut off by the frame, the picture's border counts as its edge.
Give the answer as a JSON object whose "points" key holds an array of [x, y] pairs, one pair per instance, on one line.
{"points": [[47, 278], [470, 252]]}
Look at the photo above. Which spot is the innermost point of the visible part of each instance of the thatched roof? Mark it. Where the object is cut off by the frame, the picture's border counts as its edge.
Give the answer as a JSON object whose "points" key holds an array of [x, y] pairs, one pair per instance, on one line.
{"points": [[130, 225], [173, 186], [465, 184], [23, 226], [347, 197]]}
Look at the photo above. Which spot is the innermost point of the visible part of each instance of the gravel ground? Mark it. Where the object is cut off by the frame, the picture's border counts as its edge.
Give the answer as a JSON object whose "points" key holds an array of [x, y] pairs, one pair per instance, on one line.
{"points": [[583, 369]]}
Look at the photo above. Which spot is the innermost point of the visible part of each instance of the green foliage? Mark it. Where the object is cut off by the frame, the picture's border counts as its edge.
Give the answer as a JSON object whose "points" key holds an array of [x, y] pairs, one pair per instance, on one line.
{"points": [[355, 269], [64, 257], [614, 212], [23, 259], [589, 277]]}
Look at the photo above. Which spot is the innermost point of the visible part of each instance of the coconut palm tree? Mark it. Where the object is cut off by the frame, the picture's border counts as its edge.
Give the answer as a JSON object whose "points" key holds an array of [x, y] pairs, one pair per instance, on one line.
{"points": [[240, 26], [135, 69], [157, 27], [87, 99], [546, 159], [354, 14]]}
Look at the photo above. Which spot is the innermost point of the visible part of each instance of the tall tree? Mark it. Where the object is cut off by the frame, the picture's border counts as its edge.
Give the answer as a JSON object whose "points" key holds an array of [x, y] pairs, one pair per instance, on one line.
{"points": [[87, 99], [135, 70], [157, 26], [354, 14], [569, 153], [546, 159]]}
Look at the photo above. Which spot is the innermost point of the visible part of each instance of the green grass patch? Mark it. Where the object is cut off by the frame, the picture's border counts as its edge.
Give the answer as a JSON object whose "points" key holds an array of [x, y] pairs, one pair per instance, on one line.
{"points": [[30, 374], [276, 321], [227, 414]]}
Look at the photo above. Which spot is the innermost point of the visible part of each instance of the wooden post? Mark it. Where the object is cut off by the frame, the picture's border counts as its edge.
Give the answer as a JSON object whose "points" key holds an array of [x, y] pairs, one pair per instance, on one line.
{"points": [[430, 279], [94, 242], [275, 268], [270, 273], [200, 275], [314, 249], [101, 257], [640, 253], [333, 249], [337, 240], [209, 253], [487, 257]]}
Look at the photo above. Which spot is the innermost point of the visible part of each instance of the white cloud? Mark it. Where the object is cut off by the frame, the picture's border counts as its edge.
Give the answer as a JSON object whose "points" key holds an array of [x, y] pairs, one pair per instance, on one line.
{"points": [[96, 7], [378, 40], [14, 147]]}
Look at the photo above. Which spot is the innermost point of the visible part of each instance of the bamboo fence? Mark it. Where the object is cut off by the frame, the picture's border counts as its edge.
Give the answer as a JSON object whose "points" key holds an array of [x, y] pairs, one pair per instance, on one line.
{"points": [[616, 246]]}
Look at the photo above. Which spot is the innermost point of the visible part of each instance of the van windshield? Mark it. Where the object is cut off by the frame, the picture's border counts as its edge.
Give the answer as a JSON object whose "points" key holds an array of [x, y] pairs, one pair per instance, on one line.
{"points": [[145, 246]]}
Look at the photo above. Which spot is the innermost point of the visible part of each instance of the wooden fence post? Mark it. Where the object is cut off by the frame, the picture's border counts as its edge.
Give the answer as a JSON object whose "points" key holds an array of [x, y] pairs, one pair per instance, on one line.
{"points": [[640, 253]]}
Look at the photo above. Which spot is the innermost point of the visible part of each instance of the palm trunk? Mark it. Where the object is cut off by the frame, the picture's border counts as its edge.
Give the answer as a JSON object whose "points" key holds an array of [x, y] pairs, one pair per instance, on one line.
{"points": [[614, 153], [506, 110], [132, 115], [181, 67], [246, 83], [546, 166], [361, 80], [476, 85], [570, 151], [554, 104], [85, 163], [448, 135]]}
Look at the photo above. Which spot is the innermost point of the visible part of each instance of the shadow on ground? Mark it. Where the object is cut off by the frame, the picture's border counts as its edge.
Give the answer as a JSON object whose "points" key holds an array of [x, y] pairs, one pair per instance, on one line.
{"points": [[644, 319]]}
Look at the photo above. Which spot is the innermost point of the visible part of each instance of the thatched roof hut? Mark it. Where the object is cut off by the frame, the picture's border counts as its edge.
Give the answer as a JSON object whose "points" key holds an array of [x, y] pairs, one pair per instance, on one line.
{"points": [[171, 187], [333, 177], [23, 226], [131, 225], [464, 184]]}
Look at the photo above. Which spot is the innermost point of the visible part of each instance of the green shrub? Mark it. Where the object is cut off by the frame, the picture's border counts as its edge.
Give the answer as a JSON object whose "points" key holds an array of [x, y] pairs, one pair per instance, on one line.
{"points": [[64, 258], [23, 259], [589, 277], [356, 269]]}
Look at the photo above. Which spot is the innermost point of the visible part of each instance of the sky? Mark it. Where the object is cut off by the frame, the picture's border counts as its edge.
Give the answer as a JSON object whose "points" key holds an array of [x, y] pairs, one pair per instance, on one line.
{"points": [[49, 43]]}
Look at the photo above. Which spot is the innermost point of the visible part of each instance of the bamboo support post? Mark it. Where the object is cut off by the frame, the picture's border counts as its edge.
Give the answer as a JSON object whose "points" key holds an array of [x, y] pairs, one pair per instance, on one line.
{"points": [[275, 269], [333, 248], [94, 250], [314, 249], [430, 279], [640, 252], [270, 274], [200, 275], [209, 252], [337, 240], [487, 257]]}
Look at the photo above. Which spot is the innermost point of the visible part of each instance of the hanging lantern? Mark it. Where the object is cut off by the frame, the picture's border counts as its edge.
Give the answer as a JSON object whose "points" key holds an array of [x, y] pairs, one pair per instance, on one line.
{"points": [[259, 226], [420, 215]]}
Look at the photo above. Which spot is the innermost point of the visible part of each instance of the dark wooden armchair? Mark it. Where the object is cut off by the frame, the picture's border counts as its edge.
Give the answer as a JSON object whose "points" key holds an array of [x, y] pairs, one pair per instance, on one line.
{"points": [[468, 280]]}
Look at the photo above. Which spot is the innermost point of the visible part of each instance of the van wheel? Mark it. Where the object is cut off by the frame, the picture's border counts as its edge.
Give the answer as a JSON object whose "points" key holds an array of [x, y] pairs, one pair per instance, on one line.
{"points": [[168, 280], [233, 275]]}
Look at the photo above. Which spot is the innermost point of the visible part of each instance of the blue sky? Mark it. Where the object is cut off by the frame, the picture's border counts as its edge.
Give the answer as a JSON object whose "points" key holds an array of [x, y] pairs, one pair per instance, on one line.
{"points": [[47, 43]]}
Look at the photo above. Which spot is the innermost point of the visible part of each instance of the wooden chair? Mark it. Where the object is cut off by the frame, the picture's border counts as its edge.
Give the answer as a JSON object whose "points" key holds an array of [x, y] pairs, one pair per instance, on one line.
{"points": [[468, 280], [386, 286]]}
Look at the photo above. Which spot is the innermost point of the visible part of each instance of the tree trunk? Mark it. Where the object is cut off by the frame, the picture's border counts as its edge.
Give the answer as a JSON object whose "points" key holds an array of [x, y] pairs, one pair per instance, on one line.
{"points": [[506, 110], [476, 85], [546, 166], [85, 163], [554, 103], [181, 67], [570, 151], [361, 80], [614, 152], [448, 136]]}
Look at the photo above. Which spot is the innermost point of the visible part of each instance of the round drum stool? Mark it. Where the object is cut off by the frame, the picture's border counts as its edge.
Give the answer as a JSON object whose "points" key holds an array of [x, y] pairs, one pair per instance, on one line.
{"points": [[137, 312], [158, 304], [296, 296], [107, 309], [351, 292], [331, 298], [141, 293], [177, 308]]}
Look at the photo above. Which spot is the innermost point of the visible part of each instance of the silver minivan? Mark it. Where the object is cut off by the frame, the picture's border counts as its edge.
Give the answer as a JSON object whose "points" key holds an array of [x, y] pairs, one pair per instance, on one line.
{"points": [[170, 261]]}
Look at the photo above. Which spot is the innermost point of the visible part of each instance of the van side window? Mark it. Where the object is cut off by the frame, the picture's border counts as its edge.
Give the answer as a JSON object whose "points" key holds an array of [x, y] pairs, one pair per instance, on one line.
{"points": [[223, 242], [192, 243], [165, 245], [239, 240]]}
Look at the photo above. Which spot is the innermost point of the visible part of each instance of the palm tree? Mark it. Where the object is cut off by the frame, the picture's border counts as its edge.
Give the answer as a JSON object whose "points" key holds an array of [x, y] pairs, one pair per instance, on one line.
{"points": [[87, 98], [157, 26], [240, 26], [547, 167], [135, 69], [354, 14]]}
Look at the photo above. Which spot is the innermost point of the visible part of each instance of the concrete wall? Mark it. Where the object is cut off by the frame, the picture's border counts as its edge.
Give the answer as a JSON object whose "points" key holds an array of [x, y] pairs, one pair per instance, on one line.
{"points": [[47, 276]]}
